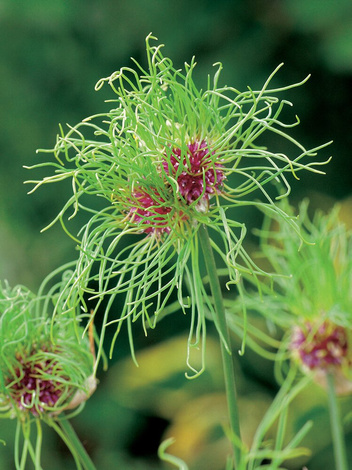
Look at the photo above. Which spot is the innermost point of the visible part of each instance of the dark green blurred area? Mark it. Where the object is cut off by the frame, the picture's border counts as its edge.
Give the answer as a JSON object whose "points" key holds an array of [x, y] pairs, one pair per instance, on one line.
{"points": [[52, 52]]}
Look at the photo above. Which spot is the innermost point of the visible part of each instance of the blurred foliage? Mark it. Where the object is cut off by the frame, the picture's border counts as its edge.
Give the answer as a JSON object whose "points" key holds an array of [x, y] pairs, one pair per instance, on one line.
{"points": [[51, 55]]}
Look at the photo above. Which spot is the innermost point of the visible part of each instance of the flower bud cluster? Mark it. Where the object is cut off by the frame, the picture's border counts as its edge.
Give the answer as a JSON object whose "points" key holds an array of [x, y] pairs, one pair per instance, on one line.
{"points": [[198, 179], [320, 346], [36, 386]]}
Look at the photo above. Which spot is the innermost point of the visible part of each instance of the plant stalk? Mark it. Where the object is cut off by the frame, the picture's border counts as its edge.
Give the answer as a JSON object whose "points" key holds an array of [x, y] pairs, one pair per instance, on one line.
{"points": [[77, 445], [225, 343], [336, 426]]}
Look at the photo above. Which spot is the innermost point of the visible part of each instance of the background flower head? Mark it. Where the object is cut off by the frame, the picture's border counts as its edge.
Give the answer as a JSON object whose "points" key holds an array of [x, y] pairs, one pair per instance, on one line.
{"points": [[46, 367], [311, 299], [42, 363]]}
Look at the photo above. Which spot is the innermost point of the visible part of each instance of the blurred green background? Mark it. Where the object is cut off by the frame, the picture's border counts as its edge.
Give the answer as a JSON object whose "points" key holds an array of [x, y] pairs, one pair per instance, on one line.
{"points": [[52, 52]]}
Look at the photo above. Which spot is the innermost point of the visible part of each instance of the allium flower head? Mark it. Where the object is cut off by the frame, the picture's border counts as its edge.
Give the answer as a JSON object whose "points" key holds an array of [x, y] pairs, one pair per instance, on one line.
{"points": [[45, 366], [312, 298], [166, 159], [320, 346]]}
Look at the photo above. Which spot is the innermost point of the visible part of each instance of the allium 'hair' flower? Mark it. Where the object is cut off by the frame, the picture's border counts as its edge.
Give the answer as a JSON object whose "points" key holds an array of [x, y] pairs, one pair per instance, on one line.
{"points": [[313, 303], [166, 159], [45, 365]]}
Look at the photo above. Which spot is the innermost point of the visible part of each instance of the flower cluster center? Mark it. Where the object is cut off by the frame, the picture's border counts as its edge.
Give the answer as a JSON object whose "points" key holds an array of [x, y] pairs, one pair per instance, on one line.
{"points": [[198, 179], [150, 212], [320, 347], [197, 176], [35, 387]]}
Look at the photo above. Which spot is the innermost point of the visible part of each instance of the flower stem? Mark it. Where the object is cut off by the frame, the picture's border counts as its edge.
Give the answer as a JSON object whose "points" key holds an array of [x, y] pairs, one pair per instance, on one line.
{"points": [[76, 444], [336, 426], [220, 321]]}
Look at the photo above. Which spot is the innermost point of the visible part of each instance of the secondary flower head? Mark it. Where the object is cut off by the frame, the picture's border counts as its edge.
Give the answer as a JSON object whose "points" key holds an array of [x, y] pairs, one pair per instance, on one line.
{"points": [[320, 346], [324, 348], [312, 297], [45, 365], [166, 159]]}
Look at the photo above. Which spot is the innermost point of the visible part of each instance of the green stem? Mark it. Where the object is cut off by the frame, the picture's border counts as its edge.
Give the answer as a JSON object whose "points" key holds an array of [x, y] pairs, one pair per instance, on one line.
{"points": [[336, 426], [220, 321], [76, 444]]}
